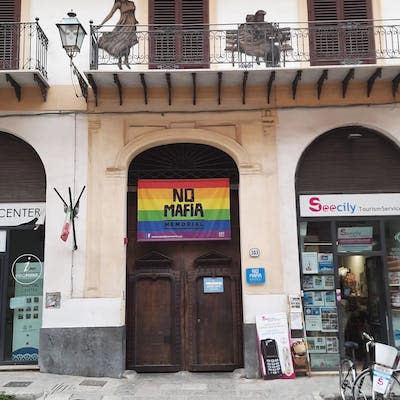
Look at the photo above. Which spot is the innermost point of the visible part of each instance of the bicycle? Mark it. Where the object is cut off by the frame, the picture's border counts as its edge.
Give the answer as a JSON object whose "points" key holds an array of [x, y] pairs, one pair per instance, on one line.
{"points": [[381, 379], [348, 370]]}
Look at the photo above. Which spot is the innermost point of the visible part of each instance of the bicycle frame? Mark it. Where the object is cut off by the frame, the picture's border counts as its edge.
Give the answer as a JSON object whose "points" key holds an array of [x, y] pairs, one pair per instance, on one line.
{"points": [[382, 372]]}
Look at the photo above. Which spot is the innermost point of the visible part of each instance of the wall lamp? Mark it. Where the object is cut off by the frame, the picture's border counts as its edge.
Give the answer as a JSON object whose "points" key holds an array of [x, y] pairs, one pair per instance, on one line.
{"points": [[72, 34]]}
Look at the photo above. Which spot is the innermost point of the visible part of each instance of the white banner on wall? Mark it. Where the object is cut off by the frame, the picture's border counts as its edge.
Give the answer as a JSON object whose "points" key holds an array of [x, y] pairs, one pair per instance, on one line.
{"points": [[349, 205], [274, 346], [14, 214]]}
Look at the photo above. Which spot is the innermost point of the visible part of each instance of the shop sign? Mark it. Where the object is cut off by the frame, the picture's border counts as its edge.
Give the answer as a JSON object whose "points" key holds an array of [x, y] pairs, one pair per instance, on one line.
{"points": [[349, 205], [183, 209], [355, 238], [255, 276], [213, 285], [14, 214]]}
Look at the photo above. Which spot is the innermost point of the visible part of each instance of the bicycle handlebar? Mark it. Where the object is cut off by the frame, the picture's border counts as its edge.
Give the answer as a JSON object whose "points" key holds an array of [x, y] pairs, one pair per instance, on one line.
{"points": [[368, 337]]}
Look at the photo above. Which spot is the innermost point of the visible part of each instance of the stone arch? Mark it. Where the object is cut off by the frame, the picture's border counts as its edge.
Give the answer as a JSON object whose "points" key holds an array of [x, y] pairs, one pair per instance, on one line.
{"points": [[171, 292], [181, 135]]}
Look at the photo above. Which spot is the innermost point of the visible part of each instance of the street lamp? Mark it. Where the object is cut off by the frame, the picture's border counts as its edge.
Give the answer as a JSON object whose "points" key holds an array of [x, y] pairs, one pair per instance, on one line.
{"points": [[72, 34]]}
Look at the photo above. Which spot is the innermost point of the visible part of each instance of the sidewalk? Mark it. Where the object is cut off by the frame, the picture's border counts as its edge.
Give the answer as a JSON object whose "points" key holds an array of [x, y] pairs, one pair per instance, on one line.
{"points": [[29, 385]]}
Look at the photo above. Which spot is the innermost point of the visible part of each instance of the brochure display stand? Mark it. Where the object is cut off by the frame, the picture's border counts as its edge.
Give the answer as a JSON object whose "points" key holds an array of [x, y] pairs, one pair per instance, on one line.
{"points": [[274, 346], [300, 354]]}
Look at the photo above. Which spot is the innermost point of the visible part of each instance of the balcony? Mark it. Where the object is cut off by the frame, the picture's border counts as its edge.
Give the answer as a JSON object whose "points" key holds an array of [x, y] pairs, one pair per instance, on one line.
{"points": [[312, 52], [23, 57]]}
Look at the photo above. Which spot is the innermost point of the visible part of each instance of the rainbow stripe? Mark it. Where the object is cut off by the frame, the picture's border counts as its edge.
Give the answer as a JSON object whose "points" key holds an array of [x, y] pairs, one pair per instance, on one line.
{"points": [[183, 209]]}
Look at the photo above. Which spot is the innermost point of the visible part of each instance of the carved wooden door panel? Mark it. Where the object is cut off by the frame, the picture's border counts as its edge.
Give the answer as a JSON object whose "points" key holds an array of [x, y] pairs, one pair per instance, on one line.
{"points": [[153, 316], [214, 315]]}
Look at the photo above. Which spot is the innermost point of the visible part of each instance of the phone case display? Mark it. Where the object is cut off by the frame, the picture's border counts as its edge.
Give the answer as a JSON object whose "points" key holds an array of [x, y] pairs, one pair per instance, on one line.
{"points": [[272, 364], [27, 306], [274, 346]]}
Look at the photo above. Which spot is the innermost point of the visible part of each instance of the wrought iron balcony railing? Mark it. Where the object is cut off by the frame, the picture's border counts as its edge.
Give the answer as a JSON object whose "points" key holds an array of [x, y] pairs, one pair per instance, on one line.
{"points": [[23, 46], [245, 45]]}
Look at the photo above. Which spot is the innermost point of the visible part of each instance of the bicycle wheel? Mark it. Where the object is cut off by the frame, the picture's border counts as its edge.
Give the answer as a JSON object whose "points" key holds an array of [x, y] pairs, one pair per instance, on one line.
{"points": [[394, 392], [362, 388], [346, 379]]}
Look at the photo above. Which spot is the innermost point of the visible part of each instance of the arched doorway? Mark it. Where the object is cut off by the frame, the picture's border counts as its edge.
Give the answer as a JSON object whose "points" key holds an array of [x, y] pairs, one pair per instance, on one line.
{"points": [[348, 188], [22, 207], [174, 320]]}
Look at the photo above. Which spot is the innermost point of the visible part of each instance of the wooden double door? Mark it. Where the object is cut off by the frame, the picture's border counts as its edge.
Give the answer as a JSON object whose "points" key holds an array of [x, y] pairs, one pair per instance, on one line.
{"points": [[184, 309]]}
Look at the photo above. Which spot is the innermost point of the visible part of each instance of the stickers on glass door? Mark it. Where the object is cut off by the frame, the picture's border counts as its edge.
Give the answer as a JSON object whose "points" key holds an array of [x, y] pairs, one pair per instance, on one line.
{"points": [[27, 271]]}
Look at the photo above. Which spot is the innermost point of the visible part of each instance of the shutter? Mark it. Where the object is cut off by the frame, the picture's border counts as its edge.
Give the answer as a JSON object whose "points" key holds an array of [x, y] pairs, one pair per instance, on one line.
{"points": [[22, 176], [359, 36], [9, 33], [163, 33], [163, 12], [325, 10], [193, 12], [355, 9], [339, 43], [324, 35], [170, 48], [194, 46], [367, 164]]}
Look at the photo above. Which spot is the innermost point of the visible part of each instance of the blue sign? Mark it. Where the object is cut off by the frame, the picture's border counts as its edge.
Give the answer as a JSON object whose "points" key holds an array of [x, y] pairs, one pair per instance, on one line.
{"points": [[255, 276], [213, 285]]}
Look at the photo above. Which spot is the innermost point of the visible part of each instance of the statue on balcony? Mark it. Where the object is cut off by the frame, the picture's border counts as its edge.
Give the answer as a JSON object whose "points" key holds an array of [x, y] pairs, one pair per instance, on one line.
{"points": [[119, 42], [257, 38]]}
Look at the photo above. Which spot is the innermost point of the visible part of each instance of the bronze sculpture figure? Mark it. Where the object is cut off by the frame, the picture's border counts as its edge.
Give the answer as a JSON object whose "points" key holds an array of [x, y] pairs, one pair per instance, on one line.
{"points": [[259, 39], [119, 42]]}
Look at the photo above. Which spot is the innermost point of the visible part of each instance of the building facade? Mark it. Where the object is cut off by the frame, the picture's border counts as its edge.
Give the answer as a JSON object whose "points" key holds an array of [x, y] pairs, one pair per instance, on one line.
{"points": [[290, 116]]}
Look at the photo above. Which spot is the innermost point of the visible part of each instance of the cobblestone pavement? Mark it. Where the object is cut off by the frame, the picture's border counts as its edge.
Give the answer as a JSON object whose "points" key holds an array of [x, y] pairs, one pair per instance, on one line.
{"points": [[29, 385]]}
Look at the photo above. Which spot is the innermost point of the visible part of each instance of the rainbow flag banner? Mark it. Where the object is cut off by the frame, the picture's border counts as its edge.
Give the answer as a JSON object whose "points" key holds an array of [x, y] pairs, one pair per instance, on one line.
{"points": [[183, 209]]}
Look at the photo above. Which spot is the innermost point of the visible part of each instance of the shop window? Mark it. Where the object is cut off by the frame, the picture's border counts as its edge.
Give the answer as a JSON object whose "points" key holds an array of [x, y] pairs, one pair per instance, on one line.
{"points": [[341, 32], [24, 296], [392, 236], [318, 284], [178, 39]]}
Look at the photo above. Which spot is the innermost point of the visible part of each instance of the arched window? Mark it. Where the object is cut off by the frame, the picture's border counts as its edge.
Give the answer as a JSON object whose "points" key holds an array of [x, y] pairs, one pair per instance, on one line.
{"points": [[22, 176], [350, 159]]}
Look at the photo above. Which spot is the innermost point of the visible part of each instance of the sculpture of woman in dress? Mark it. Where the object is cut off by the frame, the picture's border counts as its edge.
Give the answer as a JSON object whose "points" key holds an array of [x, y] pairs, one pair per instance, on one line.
{"points": [[119, 42]]}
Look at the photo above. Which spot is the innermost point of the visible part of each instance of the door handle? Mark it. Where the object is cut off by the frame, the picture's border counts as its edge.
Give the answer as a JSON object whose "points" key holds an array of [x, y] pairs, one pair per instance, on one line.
{"points": [[198, 320]]}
